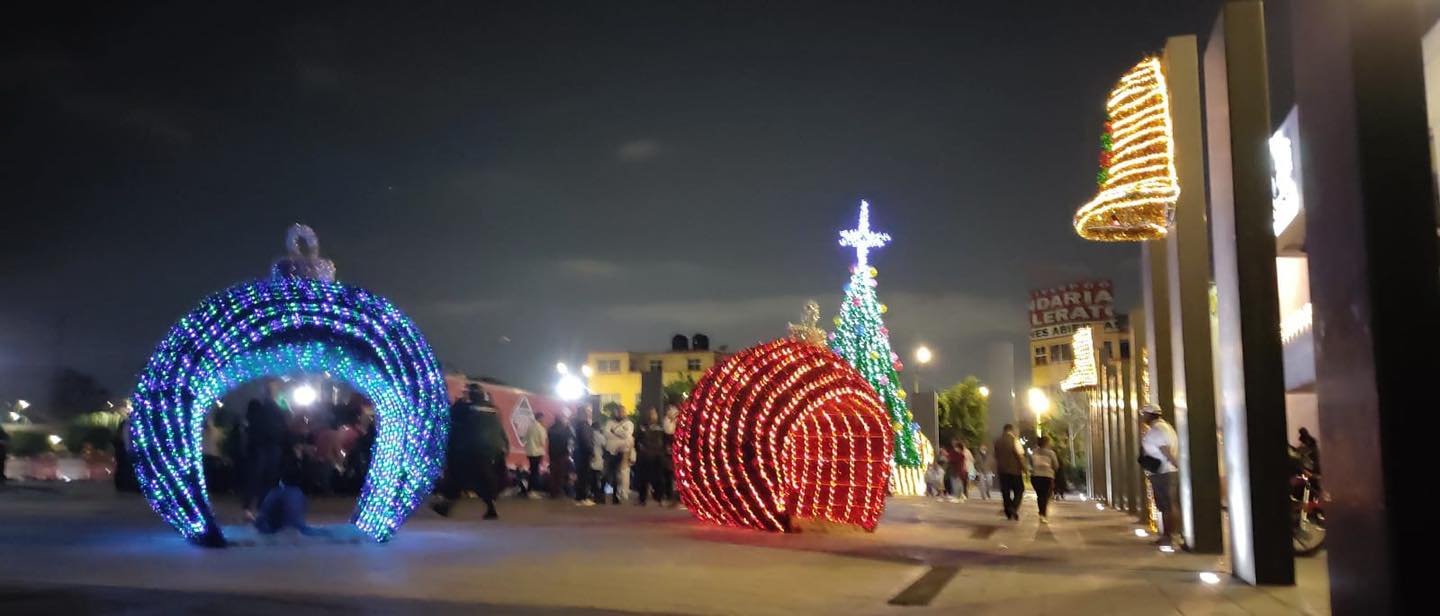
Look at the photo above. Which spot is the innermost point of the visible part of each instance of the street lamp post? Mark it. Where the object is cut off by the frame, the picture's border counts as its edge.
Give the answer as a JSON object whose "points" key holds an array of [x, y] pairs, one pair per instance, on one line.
{"points": [[922, 357]]}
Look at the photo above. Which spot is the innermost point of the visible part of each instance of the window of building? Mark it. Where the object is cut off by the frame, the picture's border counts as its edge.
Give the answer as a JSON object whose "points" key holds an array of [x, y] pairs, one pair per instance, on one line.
{"points": [[1061, 352], [1109, 353], [1124, 349], [655, 365], [607, 366], [1040, 359], [692, 364]]}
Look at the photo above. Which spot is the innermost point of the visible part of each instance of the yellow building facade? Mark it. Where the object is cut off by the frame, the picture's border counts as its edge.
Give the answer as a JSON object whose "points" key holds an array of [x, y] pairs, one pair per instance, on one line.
{"points": [[615, 375], [1055, 313]]}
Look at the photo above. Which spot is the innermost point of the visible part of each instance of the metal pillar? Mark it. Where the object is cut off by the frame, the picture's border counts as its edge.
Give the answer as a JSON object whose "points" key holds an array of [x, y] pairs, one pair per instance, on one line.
{"points": [[1370, 227]]}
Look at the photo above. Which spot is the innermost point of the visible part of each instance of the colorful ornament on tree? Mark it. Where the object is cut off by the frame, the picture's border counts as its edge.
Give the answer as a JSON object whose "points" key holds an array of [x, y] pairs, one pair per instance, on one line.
{"points": [[290, 325], [1138, 185], [783, 433], [864, 340]]}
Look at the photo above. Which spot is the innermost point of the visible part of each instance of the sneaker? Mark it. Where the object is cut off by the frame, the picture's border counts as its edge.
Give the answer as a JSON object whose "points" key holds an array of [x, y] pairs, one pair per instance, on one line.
{"points": [[536, 496], [1044, 520], [491, 515], [442, 508], [588, 503]]}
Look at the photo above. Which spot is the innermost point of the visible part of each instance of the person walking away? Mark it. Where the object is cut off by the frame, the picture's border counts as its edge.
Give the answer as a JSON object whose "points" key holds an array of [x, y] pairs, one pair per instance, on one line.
{"points": [[1043, 466], [619, 446], [983, 469], [535, 445], [474, 456], [587, 480], [649, 455], [955, 455], [213, 449], [1010, 469], [599, 459], [266, 427], [559, 438], [1062, 484], [1159, 457], [667, 464]]}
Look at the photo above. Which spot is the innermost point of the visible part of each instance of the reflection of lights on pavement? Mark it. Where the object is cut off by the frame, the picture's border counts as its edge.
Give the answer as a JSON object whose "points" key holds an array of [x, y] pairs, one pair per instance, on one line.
{"points": [[1209, 577], [570, 387], [1141, 533], [304, 395], [1168, 549], [1099, 507]]}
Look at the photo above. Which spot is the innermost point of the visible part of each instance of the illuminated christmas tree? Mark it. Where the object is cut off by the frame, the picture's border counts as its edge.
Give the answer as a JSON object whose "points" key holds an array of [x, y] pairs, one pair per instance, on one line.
{"points": [[861, 337]]}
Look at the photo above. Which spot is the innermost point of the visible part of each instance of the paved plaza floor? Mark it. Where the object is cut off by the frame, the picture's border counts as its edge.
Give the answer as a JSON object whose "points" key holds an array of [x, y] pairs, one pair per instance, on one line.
{"points": [[78, 549]]}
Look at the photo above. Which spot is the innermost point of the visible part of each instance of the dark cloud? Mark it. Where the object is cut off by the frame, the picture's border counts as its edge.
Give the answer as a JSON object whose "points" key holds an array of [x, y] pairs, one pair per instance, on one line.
{"points": [[564, 177]]}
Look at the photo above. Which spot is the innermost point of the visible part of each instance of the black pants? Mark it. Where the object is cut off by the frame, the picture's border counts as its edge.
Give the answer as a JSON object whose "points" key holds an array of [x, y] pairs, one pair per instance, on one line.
{"points": [[474, 473], [667, 479], [1043, 487], [648, 473], [533, 483], [559, 473], [264, 473], [1012, 488], [612, 476], [587, 482]]}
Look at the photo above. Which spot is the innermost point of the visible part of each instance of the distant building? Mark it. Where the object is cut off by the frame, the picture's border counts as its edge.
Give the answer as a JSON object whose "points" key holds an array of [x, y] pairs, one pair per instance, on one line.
{"points": [[1056, 312], [616, 375]]}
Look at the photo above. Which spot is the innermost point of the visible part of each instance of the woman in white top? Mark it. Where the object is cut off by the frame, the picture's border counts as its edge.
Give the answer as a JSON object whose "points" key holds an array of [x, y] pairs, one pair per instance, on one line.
{"points": [[1043, 464]]}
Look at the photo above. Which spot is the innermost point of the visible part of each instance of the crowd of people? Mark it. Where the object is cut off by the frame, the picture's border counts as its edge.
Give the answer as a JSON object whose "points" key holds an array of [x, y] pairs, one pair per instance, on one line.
{"points": [[957, 467], [591, 459]]}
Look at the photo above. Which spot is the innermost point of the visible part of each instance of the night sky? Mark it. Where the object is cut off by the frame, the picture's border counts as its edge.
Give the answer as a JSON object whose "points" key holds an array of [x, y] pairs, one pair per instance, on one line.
{"points": [[533, 180]]}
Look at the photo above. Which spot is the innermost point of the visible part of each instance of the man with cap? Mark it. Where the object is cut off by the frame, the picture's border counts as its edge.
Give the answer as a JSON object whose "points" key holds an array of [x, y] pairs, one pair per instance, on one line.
{"points": [[1160, 458]]}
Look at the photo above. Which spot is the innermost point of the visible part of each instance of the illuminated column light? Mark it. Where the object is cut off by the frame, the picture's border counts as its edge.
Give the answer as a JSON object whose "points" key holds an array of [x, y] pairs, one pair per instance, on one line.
{"points": [[1137, 183], [1082, 370], [782, 432], [290, 327]]}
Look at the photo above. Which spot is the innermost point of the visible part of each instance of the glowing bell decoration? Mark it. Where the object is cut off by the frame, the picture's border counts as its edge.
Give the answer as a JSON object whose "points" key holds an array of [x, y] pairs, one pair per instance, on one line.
{"points": [[1138, 187]]}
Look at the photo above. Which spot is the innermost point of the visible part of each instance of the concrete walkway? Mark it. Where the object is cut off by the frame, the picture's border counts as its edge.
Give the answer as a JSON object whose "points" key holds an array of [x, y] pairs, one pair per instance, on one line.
{"points": [[80, 549]]}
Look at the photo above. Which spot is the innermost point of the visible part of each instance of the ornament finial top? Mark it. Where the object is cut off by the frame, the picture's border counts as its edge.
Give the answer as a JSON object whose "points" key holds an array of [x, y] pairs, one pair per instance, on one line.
{"points": [[862, 238]]}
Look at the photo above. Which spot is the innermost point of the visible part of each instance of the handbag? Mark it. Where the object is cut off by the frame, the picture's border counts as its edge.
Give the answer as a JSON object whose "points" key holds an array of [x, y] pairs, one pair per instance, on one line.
{"points": [[1150, 463]]}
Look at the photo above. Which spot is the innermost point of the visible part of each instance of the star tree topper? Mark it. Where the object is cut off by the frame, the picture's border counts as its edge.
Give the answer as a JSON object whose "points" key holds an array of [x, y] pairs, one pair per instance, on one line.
{"points": [[861, 238]]}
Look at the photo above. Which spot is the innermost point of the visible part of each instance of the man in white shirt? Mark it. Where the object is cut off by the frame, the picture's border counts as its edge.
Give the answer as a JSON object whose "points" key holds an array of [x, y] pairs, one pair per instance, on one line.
{"points": [[1160, 457], [536, 441]]}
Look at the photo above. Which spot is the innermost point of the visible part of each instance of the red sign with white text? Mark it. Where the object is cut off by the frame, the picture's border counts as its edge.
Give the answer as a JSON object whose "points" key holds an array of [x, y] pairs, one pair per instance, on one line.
{"points": [[1055, 312]]}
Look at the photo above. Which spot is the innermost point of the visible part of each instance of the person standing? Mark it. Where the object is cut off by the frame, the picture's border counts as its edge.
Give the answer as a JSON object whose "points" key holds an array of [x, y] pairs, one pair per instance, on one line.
{"points": [[125, 479], [619, 446], [1043, 466], [649, 454], [560, 437], [587, 481], [4, 452], [982, 470], [535, 446], [955, 456], [667, 464], [1010, 469], [1160, 458], [266, 428]]}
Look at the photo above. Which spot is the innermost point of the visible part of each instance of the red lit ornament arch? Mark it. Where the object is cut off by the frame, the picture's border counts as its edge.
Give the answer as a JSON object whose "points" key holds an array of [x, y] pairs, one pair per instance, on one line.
{"points": [[781, 432]]}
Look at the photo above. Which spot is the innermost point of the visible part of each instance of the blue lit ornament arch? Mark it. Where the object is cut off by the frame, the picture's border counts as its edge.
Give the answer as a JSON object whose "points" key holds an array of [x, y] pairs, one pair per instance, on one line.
{"points": [[290, 326]]}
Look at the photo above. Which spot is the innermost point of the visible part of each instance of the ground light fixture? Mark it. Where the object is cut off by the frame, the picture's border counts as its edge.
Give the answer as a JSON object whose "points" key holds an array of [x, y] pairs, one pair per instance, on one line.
{"points": [[1169, 549], [1141, 533], [1210, 577]]}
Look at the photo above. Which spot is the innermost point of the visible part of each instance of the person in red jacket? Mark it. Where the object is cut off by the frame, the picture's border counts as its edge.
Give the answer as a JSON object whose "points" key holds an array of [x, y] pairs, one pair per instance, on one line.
{"points": [[955, 455]]}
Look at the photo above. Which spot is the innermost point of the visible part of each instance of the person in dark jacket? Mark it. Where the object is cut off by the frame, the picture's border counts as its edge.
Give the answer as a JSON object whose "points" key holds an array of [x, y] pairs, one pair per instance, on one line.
{"points": [[476, 455], [650, 456], [559, 438], [587, 481], [284, 504], [125, 479], [266, 428]]}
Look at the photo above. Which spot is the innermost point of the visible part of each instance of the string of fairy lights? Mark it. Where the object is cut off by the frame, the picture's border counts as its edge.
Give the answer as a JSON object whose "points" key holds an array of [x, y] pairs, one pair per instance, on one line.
{"points": [[1137, 183], [290, 326], [782, 431]]}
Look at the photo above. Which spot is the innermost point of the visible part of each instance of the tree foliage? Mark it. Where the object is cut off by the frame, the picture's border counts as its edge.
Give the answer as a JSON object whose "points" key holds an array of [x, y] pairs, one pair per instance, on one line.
{"points": [[678, 389], [962, 413]]}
